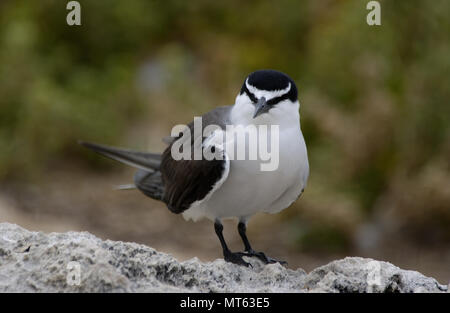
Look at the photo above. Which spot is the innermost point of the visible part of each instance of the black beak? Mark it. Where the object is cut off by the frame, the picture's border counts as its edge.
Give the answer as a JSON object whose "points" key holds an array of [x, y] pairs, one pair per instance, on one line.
{"points": [[261, 107]]}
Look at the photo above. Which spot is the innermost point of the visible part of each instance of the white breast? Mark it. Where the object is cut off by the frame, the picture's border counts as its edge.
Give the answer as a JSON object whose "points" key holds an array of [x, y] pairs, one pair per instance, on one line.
{"points": [[247, 190]]}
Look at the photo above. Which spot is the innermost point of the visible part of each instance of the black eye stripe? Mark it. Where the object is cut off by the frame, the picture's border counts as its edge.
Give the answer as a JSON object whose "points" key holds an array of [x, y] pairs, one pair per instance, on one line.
{"points": [[272, 101], [249, 94], [278, 99]]}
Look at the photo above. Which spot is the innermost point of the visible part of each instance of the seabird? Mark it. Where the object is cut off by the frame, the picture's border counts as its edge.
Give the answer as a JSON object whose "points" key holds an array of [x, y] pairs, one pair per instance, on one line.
{"points": [[227, 186]]}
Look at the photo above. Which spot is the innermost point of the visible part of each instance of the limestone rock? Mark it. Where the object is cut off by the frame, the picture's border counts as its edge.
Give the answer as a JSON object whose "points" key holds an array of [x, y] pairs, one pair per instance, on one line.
{"points": [[81, 262]]}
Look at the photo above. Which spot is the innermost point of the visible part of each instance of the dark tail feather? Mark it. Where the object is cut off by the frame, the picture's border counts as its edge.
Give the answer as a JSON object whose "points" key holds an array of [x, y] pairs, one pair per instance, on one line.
{"points": [[150, 183], [141, 160]]}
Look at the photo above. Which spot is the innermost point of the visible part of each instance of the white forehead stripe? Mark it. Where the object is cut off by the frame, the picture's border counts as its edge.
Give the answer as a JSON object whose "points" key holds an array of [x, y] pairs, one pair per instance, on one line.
{"points": [[268, 94]]}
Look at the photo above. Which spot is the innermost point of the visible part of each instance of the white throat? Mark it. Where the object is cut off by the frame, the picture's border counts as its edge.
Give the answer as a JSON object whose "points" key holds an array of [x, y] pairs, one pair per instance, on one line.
{"points": [[285, 113]]}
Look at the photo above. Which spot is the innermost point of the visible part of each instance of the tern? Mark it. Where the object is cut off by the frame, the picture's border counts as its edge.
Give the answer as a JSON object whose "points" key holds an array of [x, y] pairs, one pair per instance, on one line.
{"points": [[226, 186]]}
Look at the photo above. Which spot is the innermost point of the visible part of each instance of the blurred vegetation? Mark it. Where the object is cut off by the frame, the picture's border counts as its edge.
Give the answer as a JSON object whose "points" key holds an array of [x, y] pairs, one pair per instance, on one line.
{"points": [[375, 100]]}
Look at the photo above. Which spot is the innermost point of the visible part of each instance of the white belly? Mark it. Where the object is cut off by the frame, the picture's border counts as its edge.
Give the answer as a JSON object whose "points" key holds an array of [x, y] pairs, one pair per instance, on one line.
{"points": [[248, 190]]}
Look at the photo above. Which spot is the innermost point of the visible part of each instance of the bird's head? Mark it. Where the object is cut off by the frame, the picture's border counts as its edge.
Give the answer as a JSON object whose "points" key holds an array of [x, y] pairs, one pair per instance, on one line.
{"points": [[268, 92]]}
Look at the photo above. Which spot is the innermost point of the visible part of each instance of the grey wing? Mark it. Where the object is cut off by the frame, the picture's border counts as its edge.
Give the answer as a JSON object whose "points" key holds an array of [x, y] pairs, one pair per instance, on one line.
{"points": [[177, 183], [187, 181], [220, 117]]}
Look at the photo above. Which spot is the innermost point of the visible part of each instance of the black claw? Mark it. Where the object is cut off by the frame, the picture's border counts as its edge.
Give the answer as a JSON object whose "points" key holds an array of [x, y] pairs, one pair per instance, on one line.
{"points": [[264, 258], [236, 258]]}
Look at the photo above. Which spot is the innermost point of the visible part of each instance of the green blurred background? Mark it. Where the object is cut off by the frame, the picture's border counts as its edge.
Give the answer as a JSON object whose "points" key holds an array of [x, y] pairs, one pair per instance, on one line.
{"points": [[374, 110]]}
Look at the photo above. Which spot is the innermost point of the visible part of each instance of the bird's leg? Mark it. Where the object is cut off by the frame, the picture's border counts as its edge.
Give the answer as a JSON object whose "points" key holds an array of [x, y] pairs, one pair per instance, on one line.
{"points": [[242, 228], [233, 257]]}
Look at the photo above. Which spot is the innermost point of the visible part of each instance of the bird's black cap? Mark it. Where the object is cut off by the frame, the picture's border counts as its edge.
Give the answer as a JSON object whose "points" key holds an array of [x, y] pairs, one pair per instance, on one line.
{"points": [[270, 80]]}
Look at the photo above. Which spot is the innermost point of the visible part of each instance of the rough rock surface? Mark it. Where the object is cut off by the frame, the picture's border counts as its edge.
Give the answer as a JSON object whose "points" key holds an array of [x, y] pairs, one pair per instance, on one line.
{"points": [[38, 262]]}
